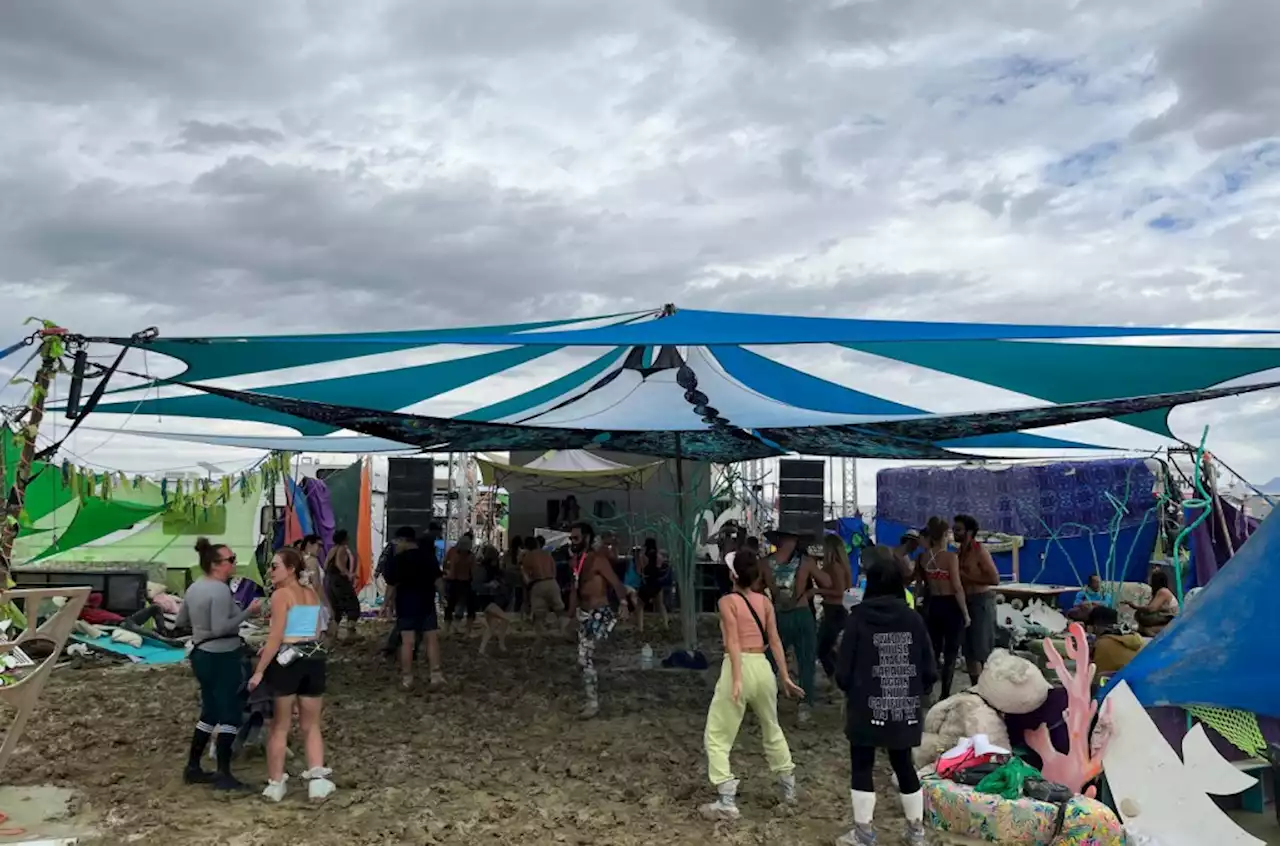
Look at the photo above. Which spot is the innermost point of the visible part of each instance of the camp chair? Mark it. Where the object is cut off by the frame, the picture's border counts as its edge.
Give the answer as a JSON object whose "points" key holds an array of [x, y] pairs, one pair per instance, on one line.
{"points": [[22, 694]]}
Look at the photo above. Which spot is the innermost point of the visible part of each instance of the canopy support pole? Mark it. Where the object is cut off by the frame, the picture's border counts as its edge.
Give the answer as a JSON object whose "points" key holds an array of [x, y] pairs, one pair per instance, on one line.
{"points": [[687, 562]]}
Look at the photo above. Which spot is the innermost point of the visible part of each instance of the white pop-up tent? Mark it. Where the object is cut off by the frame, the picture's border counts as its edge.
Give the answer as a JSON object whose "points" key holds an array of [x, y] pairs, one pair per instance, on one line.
{"points": [[566, 471]]}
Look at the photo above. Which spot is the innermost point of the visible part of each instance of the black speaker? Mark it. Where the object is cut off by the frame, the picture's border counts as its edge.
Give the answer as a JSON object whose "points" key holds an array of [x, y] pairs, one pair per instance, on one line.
{"points": [[410, 493], [802, 497]]}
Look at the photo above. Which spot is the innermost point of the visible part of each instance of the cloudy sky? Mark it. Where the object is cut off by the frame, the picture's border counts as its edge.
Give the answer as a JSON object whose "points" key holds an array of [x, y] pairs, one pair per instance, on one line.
{"points": [[242, 167]]}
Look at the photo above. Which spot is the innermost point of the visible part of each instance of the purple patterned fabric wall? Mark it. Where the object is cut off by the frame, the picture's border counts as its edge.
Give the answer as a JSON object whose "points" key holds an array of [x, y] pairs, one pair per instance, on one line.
{"points": [[1016, 499]]}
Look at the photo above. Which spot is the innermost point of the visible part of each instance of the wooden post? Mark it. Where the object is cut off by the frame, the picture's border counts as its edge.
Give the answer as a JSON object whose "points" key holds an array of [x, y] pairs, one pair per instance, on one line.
{"points": [[51, 348]]}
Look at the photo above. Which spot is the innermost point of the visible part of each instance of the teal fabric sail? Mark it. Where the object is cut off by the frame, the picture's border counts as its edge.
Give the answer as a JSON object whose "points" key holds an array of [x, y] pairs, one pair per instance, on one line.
{"points": [[1083, 372], [386, 389]]}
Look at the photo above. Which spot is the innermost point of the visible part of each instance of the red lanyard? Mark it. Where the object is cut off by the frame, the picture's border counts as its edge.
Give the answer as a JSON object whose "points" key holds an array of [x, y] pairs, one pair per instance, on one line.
{"points": [[577, 569]]}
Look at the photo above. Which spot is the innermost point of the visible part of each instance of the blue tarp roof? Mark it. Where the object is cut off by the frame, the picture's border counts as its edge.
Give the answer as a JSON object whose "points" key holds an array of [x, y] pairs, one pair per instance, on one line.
{"points": [[1220, 651]]}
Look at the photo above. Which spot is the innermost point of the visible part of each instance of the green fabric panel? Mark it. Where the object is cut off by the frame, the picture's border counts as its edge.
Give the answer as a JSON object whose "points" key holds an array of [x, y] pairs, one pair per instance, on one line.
{"points": [[152, 546], [96, 519], [1084, 372], [344, 499], [45, 493], [216, 358], [385, 390], [547, 392]]}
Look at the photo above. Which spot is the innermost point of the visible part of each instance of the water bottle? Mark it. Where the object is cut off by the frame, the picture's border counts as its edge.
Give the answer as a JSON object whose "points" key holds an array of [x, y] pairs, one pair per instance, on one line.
{"points": [[646, 657]]}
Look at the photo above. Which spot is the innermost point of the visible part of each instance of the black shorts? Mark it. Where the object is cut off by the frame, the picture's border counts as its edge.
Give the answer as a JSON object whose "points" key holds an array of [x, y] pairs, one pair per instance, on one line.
{"points": [[303, 677], [416, 620]]}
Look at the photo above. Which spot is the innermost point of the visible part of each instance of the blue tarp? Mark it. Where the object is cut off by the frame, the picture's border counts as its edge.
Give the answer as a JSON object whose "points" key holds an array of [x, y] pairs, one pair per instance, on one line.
{"points": [[1220, 651]]}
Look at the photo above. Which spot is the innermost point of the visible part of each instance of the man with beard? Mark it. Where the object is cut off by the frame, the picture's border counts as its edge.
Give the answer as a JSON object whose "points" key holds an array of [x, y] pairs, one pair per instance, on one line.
{"points": [[593, 576]]}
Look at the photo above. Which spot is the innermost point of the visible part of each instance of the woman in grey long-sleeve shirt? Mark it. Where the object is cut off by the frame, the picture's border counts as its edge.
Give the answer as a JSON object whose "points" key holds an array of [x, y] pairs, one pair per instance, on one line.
{"points": [[211, 612]]}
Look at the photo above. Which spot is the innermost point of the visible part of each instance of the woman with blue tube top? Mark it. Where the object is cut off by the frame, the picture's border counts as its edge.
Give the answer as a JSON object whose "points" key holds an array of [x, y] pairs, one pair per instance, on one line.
{"points": [[293, 665]]}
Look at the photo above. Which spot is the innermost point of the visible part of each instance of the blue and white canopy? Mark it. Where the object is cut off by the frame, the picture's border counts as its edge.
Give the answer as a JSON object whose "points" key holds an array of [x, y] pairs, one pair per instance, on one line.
{"points": [[703, 384]]}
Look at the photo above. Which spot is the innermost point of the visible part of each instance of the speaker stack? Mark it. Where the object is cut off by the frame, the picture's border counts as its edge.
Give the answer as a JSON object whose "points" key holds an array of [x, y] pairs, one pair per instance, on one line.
{"points": [[802, 497], [410, 493]]}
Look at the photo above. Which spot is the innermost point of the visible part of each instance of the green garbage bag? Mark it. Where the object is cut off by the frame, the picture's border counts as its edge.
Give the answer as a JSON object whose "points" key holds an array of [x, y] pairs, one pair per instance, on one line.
{"points": [[1007, 781]]}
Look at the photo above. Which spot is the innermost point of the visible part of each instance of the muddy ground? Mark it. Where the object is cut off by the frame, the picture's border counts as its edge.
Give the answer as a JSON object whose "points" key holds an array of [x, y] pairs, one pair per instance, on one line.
{"points": [[496, 757]]}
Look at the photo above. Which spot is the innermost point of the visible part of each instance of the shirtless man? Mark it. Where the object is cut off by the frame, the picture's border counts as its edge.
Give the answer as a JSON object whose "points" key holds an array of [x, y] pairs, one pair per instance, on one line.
{"points": [[539, 570], [978, 573], [593, 576]]}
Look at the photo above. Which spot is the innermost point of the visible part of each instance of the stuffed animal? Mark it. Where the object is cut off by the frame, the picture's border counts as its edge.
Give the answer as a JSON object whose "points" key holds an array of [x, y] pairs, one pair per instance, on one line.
{"points": [[1011, 684]]}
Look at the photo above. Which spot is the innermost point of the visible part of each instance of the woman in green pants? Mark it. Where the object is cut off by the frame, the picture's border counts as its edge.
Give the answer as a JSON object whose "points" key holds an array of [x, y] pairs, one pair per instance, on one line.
{"points": [[793, 579]]}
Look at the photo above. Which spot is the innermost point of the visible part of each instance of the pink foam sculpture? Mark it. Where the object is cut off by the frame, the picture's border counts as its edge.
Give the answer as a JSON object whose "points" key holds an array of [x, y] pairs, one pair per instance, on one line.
{"points": [[1083, 761]]}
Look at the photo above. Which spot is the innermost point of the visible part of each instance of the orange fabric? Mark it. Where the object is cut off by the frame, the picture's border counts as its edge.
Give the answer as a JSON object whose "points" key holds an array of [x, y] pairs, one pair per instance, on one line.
{"points": [[292, 528], [364, 531]]}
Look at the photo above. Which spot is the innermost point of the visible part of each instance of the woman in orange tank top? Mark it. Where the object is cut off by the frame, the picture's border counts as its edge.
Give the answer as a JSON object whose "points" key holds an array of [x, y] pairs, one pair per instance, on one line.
{"points": [[748, 624]]}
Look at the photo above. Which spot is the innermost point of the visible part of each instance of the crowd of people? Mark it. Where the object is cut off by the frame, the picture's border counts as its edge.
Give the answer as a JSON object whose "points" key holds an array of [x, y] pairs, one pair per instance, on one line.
{"points": [[884, 647]]}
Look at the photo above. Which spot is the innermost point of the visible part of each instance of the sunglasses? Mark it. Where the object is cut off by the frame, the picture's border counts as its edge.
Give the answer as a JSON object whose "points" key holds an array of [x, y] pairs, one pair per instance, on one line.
{"points": [[230, 559]]}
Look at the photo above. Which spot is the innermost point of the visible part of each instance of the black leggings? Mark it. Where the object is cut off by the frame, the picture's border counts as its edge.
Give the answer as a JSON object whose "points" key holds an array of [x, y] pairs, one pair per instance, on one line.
{"points": [[946, 630], [862, 760], [833, 619]]}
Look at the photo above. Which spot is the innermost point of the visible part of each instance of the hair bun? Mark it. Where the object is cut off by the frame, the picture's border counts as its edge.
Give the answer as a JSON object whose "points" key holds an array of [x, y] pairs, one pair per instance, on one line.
{"points": [[202, 544]]}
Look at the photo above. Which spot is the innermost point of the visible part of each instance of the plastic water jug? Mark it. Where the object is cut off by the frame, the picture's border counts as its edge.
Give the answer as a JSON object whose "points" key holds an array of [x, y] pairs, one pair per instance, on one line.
{"points": [[646, 657]]}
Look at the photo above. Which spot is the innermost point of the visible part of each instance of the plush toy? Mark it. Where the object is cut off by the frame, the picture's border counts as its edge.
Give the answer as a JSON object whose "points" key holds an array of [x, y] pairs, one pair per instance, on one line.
{"points": [[1008, 683]]}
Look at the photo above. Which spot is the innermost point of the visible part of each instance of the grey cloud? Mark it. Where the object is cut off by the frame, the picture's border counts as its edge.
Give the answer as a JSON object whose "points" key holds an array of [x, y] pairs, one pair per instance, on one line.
{"points": [[1227, 72], [201, 136]]}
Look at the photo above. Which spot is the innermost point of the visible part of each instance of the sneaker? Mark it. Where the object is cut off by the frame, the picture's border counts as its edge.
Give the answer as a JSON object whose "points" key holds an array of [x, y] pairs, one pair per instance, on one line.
{"points": [[806, 716], [275, 790], [406, 682], [859, 835], [319, 787], [589, 711], [787, 786], [195, 775], [437, 679], [915, 834], [726, 806]]}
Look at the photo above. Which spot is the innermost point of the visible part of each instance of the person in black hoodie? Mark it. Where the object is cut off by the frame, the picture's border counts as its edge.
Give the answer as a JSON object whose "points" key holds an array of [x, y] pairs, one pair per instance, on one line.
{"points": [[885, 667]]}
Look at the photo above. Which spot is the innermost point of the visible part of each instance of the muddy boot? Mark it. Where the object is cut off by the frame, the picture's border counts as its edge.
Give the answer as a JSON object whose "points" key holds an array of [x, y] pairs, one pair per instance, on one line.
{"points": [[319, 787], [863, 832], [194, 773], [726, 806], [225, 781], [859, 835], [787, 788], [275, 790], [913, 810]]}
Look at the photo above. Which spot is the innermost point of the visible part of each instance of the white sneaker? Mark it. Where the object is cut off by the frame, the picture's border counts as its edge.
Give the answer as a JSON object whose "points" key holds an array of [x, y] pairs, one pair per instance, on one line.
{"points": [[406, 682], [319, 787], [275, 790], [437, 679]]}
